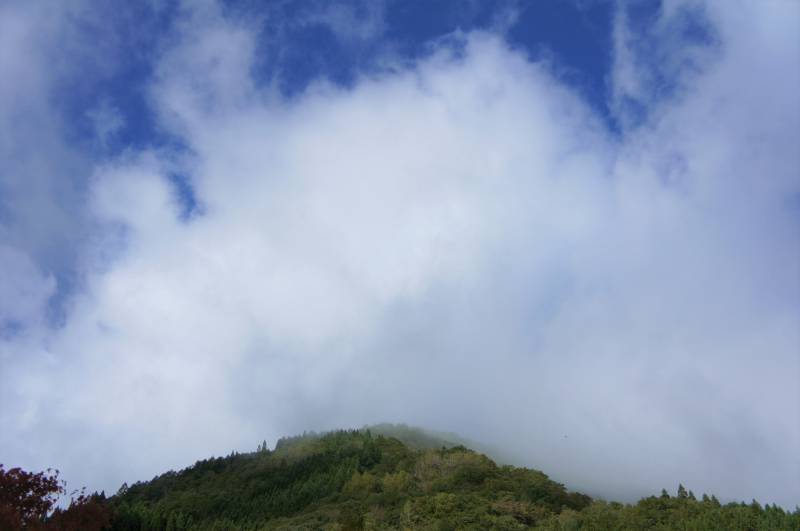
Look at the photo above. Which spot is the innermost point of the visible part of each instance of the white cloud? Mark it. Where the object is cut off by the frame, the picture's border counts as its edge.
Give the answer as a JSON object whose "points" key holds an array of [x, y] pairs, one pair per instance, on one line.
{"points": [[459, 244], [37, 214], [24, 291]]}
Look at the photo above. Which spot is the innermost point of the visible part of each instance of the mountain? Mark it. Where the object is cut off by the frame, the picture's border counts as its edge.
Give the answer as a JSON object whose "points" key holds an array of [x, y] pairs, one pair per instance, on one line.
{"points": [[397, 477]]}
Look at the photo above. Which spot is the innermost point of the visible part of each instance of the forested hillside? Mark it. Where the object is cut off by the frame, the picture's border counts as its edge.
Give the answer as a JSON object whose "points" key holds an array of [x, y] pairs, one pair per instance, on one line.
{"points": [[360, 479], [365, 480]]}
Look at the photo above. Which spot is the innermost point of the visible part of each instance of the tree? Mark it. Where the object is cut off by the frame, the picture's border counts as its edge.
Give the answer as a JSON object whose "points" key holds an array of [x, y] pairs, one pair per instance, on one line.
{"points": [[27, 498], [28, 501], [85, 513]]}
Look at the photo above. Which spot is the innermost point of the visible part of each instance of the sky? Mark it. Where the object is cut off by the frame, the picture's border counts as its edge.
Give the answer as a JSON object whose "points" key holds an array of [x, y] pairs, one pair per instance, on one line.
{"points": [[567, 229]]}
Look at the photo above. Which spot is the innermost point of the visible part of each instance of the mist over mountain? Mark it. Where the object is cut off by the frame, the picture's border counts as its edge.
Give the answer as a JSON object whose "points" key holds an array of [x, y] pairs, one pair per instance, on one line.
{"points": [[366, 479], [567, 230]]}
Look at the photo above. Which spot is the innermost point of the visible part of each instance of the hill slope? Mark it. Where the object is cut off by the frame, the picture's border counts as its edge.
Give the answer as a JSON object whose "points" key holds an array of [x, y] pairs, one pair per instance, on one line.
{"points": [[364, 480]]}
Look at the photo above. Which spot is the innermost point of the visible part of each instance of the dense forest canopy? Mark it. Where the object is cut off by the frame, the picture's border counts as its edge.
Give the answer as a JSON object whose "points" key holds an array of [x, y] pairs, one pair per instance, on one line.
{"points": [[384, 477]]}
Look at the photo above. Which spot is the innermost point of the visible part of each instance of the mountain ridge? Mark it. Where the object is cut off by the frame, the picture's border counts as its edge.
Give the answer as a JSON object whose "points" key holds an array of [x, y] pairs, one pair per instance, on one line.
{"points": [[398, 477]]}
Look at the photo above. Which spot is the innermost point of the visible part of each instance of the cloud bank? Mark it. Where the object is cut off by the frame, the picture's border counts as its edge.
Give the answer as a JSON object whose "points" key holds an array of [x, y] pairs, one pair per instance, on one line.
{"points": [[460, 242]]}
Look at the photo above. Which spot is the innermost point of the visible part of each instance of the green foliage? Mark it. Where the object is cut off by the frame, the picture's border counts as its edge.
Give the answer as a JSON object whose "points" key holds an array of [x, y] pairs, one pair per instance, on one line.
{"points": [[363, 479], [680, 512], [417, 438]]}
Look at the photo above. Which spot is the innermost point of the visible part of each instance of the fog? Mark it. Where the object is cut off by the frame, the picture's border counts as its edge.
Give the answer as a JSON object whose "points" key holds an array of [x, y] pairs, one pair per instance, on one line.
{"points": [[458, 242]]}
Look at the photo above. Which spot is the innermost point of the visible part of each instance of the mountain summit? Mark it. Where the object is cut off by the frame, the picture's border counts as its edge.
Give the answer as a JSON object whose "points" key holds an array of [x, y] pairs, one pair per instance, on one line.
{"points": [[397, 477]]}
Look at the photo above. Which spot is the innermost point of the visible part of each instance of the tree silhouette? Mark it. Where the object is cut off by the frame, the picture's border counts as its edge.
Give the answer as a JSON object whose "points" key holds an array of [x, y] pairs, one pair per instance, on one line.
{"points": [[28, 501], [27, 498]]}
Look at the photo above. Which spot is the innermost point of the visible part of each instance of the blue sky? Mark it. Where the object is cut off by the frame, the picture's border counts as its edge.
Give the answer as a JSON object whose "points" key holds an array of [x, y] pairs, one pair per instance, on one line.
{"points": [[222, 222], [295, 49]]}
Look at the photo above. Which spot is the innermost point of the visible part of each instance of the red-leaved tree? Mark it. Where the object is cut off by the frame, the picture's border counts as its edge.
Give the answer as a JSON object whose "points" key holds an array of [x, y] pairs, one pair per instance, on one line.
{"points": [[28, 499]]}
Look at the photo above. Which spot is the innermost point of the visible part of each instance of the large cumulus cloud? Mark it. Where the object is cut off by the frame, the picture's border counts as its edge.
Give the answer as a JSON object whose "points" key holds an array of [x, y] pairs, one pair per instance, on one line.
{"points": [[461, 243]]}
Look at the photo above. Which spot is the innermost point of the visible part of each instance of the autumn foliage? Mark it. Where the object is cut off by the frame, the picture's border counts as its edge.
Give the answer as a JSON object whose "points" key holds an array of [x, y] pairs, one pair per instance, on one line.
{"points": [[28, 501]]}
